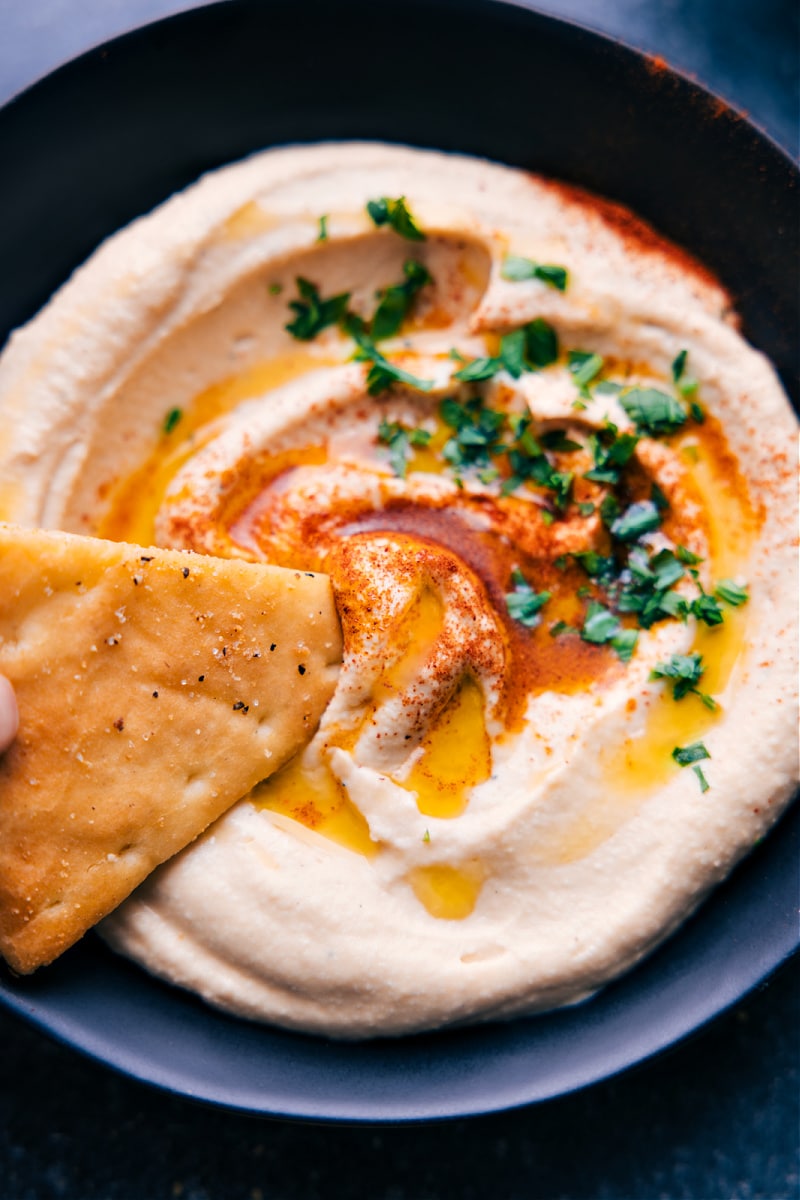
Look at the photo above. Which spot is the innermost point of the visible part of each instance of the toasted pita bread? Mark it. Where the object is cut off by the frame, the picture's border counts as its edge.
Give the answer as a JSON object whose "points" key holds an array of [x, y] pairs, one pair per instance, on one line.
{"points": [[155, 688]]}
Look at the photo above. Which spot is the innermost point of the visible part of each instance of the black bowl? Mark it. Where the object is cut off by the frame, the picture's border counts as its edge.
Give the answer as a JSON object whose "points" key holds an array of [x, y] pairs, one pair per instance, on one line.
{"points": [[109, 136]]}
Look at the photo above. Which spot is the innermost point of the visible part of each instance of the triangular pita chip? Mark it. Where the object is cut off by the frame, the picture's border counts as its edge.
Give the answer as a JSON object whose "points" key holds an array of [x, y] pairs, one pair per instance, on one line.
{"points": [[155, 688]]}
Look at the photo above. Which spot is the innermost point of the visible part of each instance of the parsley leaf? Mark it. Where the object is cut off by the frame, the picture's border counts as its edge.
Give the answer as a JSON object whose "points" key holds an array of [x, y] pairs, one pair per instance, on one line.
{"points": [[704, 784], [729, 591], [541, 342], [400, 440], [654, 413], [705, 608], [517, 269], [479, 369], [534, 345], [638, 519], [524, 603], [396, 301], [685, 671], [313, 314], [512, 353], [599, 625], [395, 213], [322, 236], [625, 643], [382, 374], [686, 755], [610, 453], [393, 435], [584, 366], [172, 418]]}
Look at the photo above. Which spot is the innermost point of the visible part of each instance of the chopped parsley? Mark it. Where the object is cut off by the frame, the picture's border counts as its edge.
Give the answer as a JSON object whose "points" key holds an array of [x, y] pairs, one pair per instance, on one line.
{"points": [[686, 755], [685, 384], [477, 432], [705, 608], [322, 236], [171, 419], [312, 313], [400, 440], [541, 342], [382, 373], [644, 587], [584, 366], [601, 627], [512, 353], [638, 519], [524, 604], [396, 301], [517, 269], [533, 345], [704, 784], [685, 672], [611, 452], [396, 215], [479, 369], [654, 413], [729, 591]]}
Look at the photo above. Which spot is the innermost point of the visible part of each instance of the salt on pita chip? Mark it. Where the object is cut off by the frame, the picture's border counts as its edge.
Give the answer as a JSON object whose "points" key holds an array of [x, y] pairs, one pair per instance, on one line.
{"points": [[155, 688]]}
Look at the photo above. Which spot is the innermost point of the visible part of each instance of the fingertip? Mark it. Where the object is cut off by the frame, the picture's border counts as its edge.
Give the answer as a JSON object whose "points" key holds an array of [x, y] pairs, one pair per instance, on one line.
{"points": [[9, 714]]}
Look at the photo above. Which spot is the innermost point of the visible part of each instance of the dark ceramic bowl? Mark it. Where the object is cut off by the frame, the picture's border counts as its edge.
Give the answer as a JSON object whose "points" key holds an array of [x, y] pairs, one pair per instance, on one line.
{"points": [[109, 136]]}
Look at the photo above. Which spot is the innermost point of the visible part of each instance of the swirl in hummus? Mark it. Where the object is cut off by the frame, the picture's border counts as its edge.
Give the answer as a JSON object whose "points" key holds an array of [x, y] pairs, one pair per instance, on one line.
{"points": [[553, 488]]}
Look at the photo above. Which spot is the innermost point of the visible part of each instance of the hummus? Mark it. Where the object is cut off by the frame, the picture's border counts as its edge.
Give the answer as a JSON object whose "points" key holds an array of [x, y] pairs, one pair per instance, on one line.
{"points": [[553, 488]]}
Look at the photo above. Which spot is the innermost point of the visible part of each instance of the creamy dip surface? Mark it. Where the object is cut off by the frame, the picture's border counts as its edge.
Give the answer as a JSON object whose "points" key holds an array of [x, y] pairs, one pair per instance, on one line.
{"points": [[554, 489]]}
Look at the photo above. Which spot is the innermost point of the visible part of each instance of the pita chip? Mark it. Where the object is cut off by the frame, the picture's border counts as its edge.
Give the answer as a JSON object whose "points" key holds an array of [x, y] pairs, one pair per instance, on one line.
{"points": [[155, 688]]}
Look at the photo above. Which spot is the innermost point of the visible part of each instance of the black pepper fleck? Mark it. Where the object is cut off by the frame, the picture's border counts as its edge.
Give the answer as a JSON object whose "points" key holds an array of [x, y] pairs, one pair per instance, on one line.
{"points": [[272, 647], [301, 669], [155, 695], [119, 724], [200, 678], [185, 572]]}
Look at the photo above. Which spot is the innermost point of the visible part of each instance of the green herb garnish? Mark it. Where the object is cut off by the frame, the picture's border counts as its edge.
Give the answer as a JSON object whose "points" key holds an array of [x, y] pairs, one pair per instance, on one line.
{"points": [[637, 520], [524, 604], [685, 671], [313, 314], [704, 784], [654, 413], [541, 342], [322, 236], [400, 440], [600, 626], [686, 755], [684, 383], [396, 301], [517, 269], [729, 591], [172, 418], [396, 215], [584, 366]]}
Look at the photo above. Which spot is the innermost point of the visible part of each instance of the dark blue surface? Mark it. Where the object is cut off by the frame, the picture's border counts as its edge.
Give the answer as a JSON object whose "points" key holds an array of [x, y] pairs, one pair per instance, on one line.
{"points": [[718, 1119]]}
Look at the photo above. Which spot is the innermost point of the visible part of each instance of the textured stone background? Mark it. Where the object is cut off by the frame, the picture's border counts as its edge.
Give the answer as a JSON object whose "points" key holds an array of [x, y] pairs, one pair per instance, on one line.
{"points": [[715, 1119]]}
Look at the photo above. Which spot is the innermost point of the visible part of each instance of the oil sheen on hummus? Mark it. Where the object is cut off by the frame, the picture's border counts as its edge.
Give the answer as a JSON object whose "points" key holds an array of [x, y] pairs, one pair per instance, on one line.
{"points": [[553, 488]]}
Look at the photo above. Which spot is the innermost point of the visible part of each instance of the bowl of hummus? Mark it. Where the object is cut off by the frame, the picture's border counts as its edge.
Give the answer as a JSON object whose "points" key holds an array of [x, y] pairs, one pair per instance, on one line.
{"points": [[552, 485]]}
